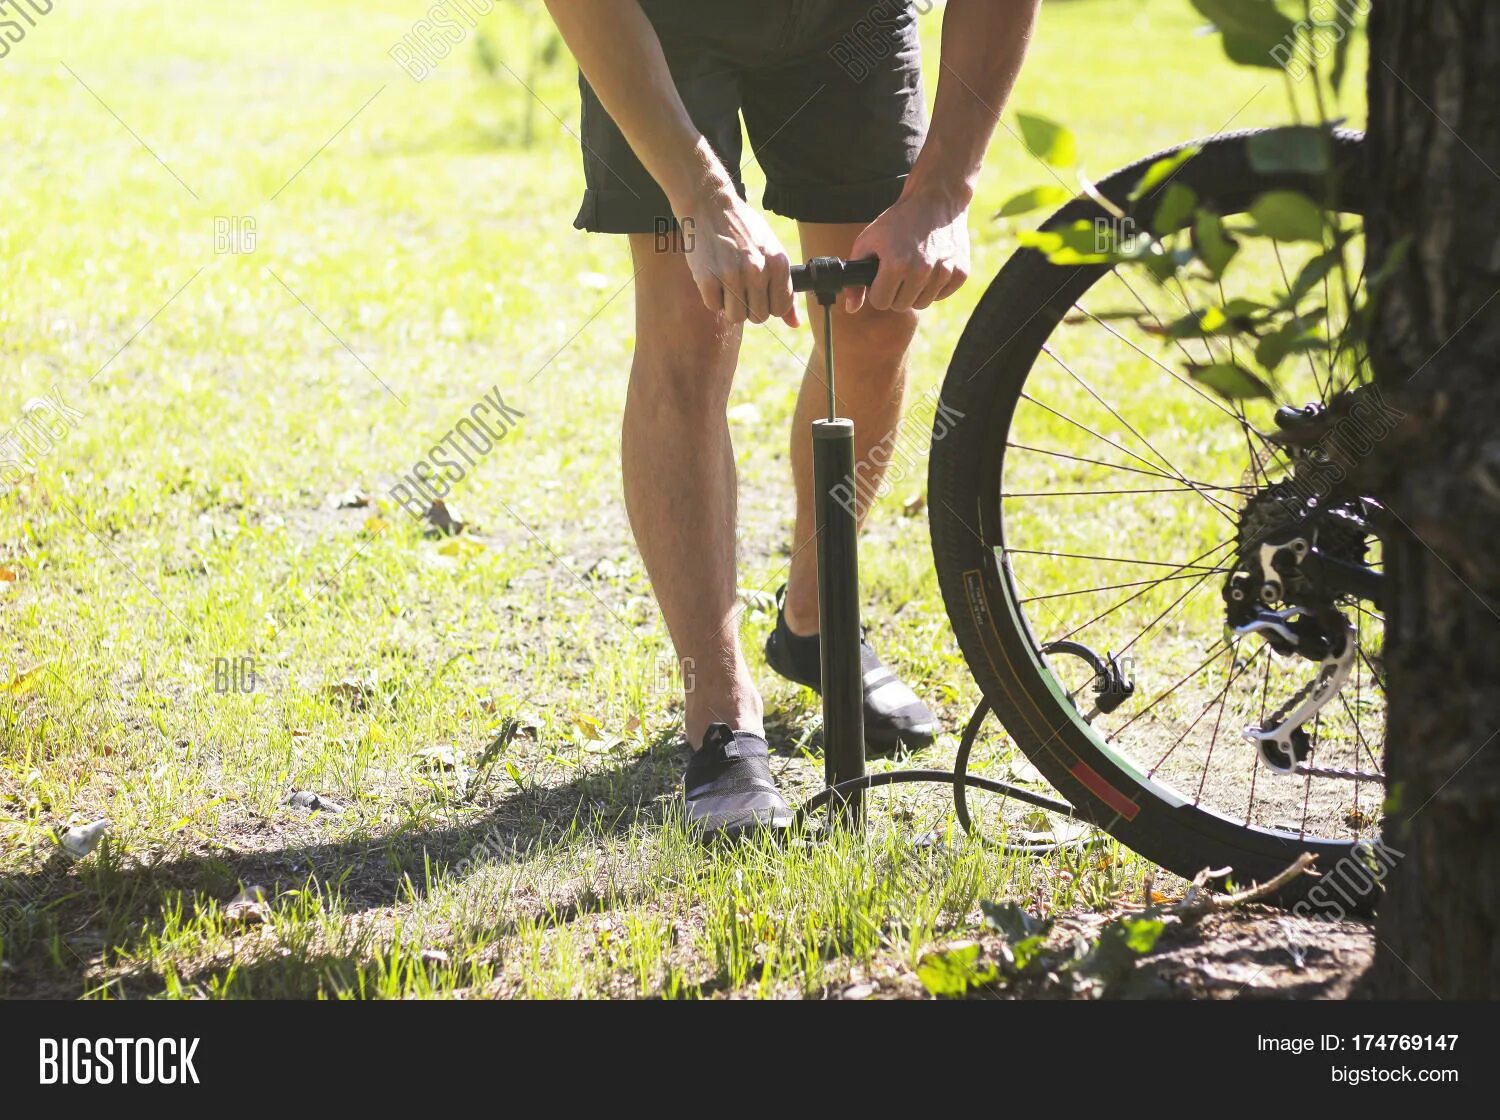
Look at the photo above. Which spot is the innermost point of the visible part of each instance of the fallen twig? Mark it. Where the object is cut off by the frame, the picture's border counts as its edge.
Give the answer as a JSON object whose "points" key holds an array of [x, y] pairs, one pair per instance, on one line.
{"points": [[1198, 902]]}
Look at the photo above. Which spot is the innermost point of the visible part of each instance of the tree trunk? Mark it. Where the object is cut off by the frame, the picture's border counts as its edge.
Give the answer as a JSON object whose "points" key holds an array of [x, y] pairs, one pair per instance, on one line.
{"points": [[1435, 352]]}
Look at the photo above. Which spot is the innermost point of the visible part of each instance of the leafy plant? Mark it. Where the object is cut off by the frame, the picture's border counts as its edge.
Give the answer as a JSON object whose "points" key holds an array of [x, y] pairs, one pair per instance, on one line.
{"points": [[953, 973], [1109, 962], [1024, 936], [1188, 249]]}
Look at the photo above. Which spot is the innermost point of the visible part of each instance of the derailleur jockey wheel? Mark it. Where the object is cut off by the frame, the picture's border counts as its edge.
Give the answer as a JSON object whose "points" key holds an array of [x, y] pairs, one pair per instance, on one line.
{"points": [[1298, 552]]}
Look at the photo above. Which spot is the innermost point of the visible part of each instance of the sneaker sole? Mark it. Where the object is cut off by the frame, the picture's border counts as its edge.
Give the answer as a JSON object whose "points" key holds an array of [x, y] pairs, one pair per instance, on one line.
{"points": [[728, 828], [881, 741]]}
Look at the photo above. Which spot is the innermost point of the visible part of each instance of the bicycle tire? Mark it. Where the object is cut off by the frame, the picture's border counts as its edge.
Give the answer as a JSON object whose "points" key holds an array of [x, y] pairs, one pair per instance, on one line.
{"points": [[994, 356]]}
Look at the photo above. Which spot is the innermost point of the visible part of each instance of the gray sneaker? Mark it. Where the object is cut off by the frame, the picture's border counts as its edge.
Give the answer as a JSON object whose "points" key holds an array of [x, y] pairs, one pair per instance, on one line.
{"points": [[728, 784]]}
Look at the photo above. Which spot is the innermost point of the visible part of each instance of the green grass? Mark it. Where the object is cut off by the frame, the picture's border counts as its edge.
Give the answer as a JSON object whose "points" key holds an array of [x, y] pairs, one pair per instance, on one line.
{"points": [[187, 518]]}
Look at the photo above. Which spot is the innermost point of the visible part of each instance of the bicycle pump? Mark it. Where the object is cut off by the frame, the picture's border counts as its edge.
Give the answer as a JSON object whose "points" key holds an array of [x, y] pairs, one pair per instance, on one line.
{"points": [[837, 519]]}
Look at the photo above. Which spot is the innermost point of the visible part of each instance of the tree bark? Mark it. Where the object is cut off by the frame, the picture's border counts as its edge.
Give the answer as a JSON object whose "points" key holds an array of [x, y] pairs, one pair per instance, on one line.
{"points": [[1434, 139]]}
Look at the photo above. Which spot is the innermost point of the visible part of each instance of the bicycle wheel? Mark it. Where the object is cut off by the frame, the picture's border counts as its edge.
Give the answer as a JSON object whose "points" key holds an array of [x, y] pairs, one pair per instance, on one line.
{"points": [[1088, 499]]}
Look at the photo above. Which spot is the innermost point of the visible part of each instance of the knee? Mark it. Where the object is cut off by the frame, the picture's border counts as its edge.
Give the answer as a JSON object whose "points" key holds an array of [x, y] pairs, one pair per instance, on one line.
{"points": [[686, 365], [877, 339]]}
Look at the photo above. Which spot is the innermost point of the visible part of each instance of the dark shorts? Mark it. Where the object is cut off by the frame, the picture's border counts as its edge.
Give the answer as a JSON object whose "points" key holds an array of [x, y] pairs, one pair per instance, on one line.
{"points": [[831, 93]]}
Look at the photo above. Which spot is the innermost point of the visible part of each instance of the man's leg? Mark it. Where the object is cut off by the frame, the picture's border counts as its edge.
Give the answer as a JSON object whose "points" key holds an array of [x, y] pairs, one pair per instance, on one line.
{"points": [[869, 350], [680, 483]]}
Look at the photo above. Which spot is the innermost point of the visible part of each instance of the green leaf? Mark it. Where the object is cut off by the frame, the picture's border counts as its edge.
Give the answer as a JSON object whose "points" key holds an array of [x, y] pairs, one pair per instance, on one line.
{"points": [[1162, 170], [1121, 943], [1215, 247], [1302, 149], [1048, 141], [1240, 310], [1293, 338], [1080, 242], [1197, 324], [1020, 954], [1174, 209], [1162, 266], [1141, 934], [1037, 198], [953, 972], [1287, 216], [1311, 275], [1253, 31], [1231, 381], [1236, 316], [1024, 937], [1012, 921]]}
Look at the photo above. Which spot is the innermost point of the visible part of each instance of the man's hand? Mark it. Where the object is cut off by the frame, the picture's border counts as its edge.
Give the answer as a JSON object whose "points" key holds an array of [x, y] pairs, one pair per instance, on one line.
{"points": [[922, 241], [923, 245], [737, 262]]}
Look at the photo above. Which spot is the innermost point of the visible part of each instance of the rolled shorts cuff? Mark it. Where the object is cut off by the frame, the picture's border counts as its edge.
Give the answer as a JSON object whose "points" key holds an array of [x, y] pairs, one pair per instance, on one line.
{"points": [[834, 205], [618, 210]]}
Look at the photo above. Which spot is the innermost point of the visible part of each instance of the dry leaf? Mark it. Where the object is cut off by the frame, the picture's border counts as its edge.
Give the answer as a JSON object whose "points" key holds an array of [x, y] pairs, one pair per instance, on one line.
{"points": [[914, 505], [25, 679], [588, 727], [352, 691], [349, 499], [460, 546], [7, 575], [441, 520], [307, 799], [442, 757], [603, 568], [248, 907], [79, 841]]}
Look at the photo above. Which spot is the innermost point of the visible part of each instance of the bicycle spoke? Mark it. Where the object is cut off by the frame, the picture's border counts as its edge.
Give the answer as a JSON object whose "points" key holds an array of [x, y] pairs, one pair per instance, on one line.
{"points": [[1214, 652], [1136, 595], [1359, 736], [1136, 600], [1175, 376], [1219, 719], [1085, 459], [1107, 587], [1177, 603], [1121, 493], [1225, 511], [1192, 485], [1090, 431], [1312, 366], [1160, 323], [1233, 675], [1265, 689], [1114, 559]]}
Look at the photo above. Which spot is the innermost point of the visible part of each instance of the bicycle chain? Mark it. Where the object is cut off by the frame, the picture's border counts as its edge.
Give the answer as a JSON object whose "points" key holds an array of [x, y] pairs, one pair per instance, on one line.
{"points": [[1320, 771], [1280, 714], [1338, 772]]}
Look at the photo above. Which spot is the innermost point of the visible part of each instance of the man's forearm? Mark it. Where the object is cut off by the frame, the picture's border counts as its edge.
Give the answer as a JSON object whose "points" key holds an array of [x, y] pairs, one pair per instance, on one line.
{"points": [[619, 52], [984, 43]]}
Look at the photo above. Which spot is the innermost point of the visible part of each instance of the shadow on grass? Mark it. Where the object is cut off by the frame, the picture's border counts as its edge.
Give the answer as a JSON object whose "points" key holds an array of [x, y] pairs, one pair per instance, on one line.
{"points": [[62, 923]]}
